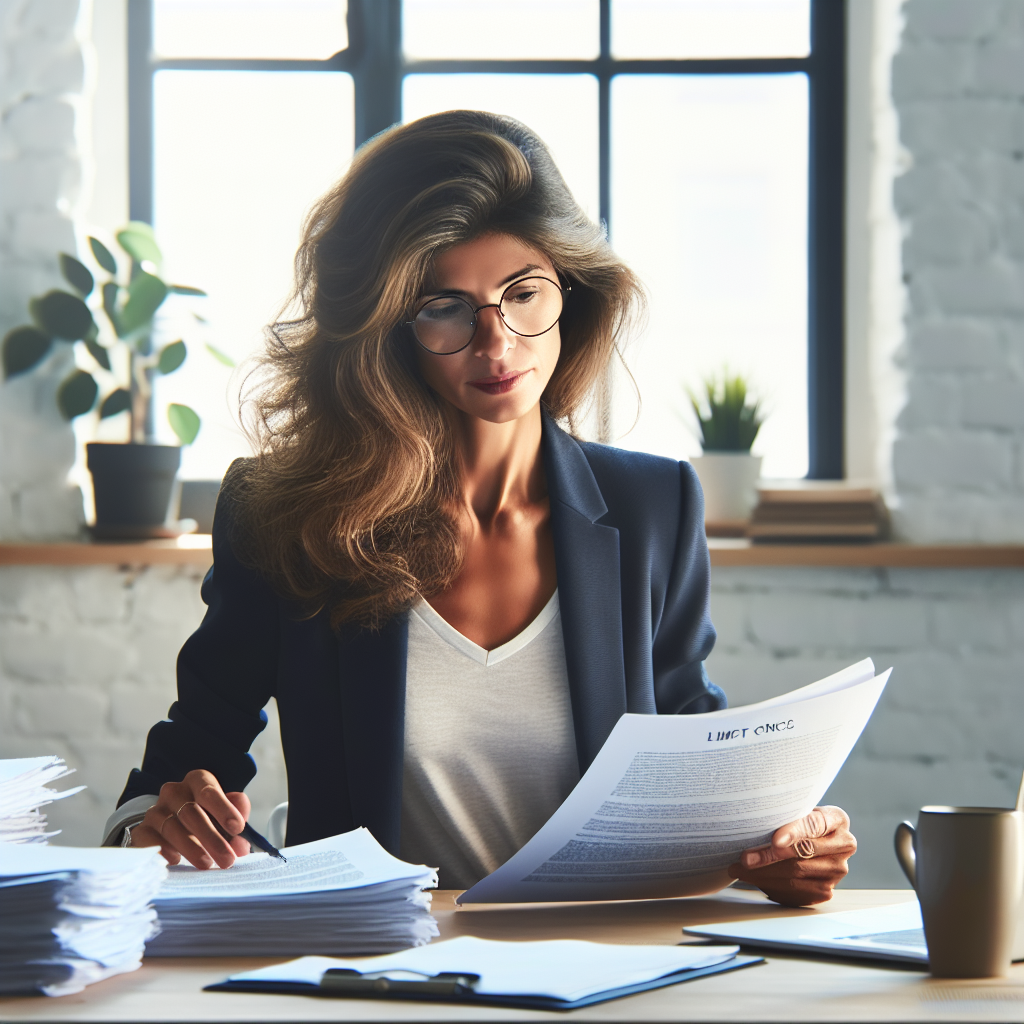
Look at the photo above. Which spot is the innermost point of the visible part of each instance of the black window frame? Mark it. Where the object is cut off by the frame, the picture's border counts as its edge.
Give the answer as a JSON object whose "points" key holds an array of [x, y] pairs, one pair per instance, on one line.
{"points": [[375, 60]]}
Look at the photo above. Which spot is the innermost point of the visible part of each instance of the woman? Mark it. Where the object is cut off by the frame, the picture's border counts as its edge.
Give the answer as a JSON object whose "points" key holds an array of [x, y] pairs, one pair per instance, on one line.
{"points": [[451, 599]]}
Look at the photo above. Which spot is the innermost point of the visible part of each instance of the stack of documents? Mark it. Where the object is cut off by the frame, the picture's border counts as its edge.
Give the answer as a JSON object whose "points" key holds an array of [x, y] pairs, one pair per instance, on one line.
{"points": [[818, 510], [341, 895], [69, 917], [558, 975], [671, 801], [23, 790]]}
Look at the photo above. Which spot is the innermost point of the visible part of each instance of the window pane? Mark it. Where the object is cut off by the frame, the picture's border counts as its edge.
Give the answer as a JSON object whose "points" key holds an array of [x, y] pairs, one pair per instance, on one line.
{"points": [[498, 30], [295, 29], [711, 28], [709, 206], [561, 109], [240, 157]]}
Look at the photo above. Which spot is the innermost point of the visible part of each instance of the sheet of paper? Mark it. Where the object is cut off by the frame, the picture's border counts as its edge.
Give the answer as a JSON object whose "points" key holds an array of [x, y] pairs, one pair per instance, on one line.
{"points": [[852, 675], [671, 801], [345, 861], [19, 860], [562, 969], [23, 787]]}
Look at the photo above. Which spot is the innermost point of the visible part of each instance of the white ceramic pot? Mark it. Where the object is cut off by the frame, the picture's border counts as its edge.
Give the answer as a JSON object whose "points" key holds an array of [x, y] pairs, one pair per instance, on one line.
{"points": [[729, 481]]}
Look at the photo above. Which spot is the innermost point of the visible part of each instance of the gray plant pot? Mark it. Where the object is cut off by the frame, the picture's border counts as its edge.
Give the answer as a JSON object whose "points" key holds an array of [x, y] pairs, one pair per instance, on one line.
{"points": [[133, 485], [729, 482]]}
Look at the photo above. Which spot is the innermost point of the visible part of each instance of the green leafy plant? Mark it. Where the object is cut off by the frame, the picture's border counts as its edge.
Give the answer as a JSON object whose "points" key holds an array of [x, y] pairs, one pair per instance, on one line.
{"points": [[729, 422], [129, 300]]}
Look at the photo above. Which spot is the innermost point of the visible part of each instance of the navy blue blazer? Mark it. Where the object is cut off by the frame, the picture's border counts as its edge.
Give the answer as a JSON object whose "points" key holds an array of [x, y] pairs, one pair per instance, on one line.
{"points": [[633, 577]]}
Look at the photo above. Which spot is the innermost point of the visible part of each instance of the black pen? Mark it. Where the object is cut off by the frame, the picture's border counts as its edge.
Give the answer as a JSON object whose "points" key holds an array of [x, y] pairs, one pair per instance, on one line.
{"points": [[253, 838]]}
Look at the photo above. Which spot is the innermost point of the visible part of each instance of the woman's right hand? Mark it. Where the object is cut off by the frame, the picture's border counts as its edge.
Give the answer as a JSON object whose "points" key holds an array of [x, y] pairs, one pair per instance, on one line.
{"points": [[180, 822]]}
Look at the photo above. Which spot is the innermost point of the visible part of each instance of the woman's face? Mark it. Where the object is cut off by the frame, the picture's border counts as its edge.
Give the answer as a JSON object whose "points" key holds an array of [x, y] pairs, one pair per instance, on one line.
{"points": [[499, 376]]}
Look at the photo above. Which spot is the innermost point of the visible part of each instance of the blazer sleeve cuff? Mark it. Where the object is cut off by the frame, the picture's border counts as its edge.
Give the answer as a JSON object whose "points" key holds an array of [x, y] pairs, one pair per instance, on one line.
{"points": [[131, 812]]}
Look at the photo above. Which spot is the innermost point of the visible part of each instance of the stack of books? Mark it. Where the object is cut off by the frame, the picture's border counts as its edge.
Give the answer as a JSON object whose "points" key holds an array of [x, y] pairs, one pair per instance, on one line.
{"points": [[818, 510], [70, 917], [23, 791]]}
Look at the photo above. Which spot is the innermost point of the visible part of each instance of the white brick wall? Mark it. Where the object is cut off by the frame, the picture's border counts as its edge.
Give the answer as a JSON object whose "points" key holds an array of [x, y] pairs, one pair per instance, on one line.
{"points": [[41, 81], [958, 86], [87, 660], [947, 730]]}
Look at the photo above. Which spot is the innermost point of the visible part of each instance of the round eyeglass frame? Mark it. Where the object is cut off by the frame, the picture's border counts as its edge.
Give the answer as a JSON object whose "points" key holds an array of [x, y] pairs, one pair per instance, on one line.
{"points": [[411, 324]]}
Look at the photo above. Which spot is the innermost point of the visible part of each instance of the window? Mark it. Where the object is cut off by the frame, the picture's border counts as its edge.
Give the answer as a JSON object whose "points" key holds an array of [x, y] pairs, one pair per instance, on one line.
{"points": [[706, 134]]}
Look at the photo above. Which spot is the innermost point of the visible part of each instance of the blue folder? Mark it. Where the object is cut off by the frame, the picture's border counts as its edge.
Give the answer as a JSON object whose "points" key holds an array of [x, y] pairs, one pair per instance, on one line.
{"points": [[456, 988]]}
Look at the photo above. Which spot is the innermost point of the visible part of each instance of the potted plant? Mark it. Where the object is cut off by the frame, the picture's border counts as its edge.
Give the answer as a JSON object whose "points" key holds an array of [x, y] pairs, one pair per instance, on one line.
{"points": [[728, 473], [133, 483]]}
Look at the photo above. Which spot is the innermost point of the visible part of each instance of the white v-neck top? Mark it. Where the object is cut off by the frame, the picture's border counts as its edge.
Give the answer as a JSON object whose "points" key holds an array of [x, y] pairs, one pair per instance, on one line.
{"points": [[490, 751]]}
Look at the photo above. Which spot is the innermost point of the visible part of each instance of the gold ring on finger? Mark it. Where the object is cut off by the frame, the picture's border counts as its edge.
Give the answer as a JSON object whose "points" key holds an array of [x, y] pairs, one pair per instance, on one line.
{"points": [[182, 807], [804, 849], [160, 827]]}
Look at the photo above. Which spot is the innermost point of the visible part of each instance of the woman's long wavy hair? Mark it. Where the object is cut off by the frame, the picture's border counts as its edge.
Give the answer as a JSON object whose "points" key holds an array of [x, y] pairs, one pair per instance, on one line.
{"points": [[352, 501]]}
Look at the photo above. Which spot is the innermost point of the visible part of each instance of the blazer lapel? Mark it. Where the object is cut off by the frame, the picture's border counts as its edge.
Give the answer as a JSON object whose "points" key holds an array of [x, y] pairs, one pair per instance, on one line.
{"points": [[372, 669], [589, 593]]}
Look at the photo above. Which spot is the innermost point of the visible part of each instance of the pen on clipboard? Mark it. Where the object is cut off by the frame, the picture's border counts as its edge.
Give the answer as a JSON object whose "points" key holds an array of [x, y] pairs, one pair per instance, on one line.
{"points": [[253, 838]]}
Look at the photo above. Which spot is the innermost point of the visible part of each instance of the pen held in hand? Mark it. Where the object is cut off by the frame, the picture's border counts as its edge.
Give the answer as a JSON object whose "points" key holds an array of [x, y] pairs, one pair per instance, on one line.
{"points": [[253, 838]]}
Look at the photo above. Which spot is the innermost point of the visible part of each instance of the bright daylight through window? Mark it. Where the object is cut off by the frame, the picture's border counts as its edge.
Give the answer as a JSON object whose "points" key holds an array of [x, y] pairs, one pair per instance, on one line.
{"points": [[688, 132]]}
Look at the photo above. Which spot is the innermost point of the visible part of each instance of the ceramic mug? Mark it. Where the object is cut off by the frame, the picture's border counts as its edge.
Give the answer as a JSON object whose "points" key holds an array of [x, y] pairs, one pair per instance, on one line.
{"points": [[967, 867]]}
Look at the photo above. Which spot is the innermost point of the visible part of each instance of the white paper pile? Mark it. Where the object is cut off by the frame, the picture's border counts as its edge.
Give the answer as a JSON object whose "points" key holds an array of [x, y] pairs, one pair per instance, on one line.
{"points": [[344, 895], [23, 790], [70, 917]]}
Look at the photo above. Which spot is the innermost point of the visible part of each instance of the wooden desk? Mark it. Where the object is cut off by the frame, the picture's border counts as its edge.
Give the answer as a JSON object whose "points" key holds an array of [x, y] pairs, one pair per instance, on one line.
{"points": [[784, 989]]}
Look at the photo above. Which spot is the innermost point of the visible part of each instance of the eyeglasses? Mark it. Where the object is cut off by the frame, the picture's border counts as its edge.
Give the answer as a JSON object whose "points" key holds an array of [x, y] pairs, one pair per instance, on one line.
{"points": [[529, 307]]}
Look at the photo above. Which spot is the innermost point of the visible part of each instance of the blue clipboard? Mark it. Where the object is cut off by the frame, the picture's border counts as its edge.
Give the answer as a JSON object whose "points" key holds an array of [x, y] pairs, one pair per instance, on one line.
{"points": [[459, 988]]}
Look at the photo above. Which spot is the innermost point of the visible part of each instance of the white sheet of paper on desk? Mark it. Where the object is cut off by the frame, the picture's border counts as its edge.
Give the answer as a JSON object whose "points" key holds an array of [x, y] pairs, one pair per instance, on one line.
{"points": [[671, 801], [561, 969], [351, 860]]}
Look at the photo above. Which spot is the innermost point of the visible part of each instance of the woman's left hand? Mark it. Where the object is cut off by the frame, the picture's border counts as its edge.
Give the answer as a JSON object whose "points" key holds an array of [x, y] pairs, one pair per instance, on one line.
{"points": [[804, 861]]}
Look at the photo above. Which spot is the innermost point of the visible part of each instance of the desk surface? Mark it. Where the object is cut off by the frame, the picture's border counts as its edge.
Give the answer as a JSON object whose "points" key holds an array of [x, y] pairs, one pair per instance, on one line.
{"points": [[784, 989]]}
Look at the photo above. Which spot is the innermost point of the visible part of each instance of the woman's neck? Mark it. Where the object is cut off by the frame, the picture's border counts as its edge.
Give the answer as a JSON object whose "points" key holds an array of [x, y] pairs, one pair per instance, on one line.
{"points": [[501, 464]]}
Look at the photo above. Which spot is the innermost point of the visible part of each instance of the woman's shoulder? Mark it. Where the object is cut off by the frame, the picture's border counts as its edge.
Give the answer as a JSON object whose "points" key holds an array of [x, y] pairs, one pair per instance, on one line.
{"points": [[235, 488], [238, 478], [649, 495], [230, 532], [650, 477]]}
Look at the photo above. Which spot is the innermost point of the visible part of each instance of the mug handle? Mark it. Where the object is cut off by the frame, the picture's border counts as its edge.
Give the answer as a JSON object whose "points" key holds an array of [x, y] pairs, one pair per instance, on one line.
{"points": [[905, 853]]}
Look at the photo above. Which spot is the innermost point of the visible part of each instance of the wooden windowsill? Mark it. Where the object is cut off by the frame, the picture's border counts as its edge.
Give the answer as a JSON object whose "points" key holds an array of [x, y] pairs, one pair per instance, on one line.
{"points": [[883, 555], [192, 549], [195, 550]]}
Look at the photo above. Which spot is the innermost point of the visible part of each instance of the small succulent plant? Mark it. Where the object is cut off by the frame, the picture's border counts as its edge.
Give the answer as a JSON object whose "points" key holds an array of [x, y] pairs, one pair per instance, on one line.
{"points": [[129, 300], [728, 420]]}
